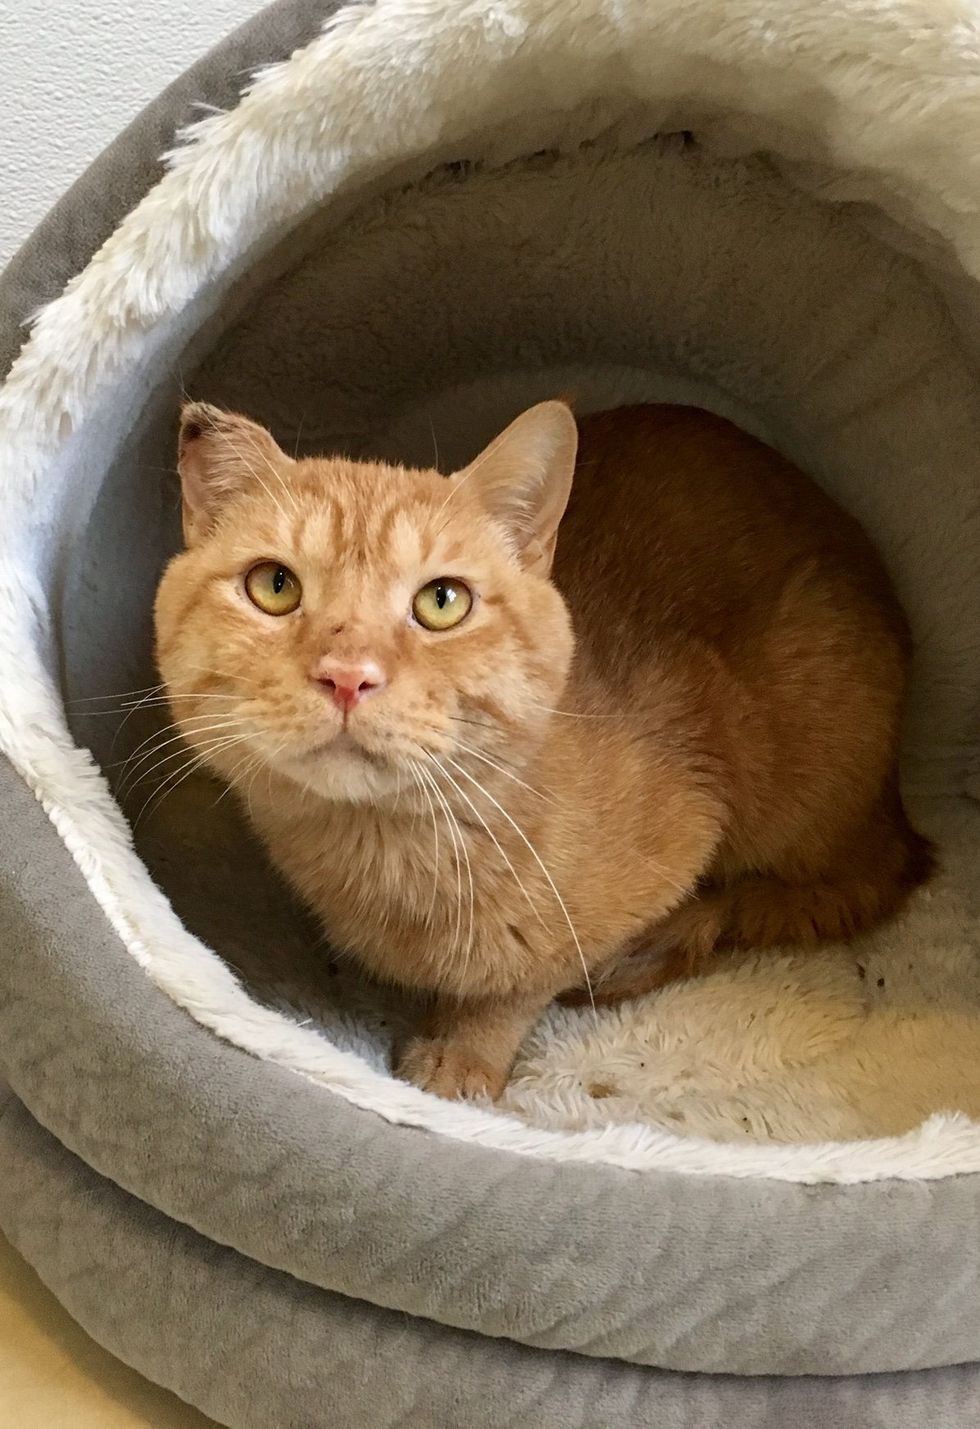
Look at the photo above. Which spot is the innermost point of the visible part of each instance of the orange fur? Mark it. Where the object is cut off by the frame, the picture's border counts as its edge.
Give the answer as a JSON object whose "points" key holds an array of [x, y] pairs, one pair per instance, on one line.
{"points": [[709, 762]]}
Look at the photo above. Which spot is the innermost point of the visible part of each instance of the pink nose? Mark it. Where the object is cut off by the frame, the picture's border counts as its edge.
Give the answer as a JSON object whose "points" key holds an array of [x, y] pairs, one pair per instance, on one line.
{"points": [[349, 681]]}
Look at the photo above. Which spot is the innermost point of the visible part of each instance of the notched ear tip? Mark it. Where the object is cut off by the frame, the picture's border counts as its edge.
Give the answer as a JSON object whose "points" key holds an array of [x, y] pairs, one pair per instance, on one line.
{"points": [[196, 418]]}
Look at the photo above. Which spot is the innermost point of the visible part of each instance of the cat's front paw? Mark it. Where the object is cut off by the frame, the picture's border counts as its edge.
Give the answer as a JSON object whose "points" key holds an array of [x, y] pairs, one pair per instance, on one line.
{"points": [[447, 1070]]}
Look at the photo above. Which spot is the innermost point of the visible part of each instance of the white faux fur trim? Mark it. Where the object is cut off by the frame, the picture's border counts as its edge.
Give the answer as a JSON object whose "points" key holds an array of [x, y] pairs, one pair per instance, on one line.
{"points": [[897, 86]]}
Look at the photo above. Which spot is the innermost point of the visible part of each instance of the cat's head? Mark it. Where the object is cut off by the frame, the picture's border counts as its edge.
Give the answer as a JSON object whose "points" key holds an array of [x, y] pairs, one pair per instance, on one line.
{"points": [[344, 623]]}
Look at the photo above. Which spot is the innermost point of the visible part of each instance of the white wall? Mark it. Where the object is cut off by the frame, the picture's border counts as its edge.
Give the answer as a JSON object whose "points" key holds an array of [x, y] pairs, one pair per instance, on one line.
{"points": [[73, 73]]}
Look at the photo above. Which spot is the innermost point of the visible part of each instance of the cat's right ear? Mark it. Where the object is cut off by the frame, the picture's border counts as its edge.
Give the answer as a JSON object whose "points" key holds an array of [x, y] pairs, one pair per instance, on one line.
{"points": [[219, 455]]}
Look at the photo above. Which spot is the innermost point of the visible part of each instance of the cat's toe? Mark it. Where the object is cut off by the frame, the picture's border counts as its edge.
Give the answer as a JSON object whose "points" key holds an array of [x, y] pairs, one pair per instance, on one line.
{"points": [[450, 1072]]}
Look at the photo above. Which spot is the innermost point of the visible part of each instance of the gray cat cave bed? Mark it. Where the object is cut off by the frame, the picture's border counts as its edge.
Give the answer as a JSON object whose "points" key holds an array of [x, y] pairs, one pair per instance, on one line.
{"points": [[756, 1200]]}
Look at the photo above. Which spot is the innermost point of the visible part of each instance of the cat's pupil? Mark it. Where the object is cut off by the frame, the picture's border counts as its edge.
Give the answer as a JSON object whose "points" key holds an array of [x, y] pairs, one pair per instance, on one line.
{"points": [[443, 596], [279, 580]]}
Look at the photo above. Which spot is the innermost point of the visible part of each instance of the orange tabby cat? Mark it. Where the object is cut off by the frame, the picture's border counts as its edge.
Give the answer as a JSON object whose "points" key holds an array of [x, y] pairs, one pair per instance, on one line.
{"points": [[500, 770]]}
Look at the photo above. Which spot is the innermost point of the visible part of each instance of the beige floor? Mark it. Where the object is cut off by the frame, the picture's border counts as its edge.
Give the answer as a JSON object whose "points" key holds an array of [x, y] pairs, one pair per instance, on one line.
{"points": [[52, 1376]]}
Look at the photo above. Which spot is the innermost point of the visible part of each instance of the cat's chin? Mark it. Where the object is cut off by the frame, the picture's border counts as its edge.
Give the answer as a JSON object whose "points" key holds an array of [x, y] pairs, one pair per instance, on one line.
{"points": [[343, 771]]}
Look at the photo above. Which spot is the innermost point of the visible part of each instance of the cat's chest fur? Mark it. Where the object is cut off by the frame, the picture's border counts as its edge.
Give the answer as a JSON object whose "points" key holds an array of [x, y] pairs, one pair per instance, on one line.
{"points": [[429, 895], [420, 900]]}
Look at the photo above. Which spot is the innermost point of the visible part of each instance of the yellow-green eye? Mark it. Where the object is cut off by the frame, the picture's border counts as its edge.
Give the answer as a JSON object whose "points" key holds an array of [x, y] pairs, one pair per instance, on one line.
{"points": [[273, 588], [442, 604]]}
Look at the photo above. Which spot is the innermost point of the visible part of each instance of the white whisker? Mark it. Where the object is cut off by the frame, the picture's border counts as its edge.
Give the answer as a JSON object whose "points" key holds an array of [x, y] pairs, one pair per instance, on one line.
{"points": [[537, 858], [206, 724], [191, 724], [170, 698], [470, 936], [121, 695], [170, 784], [570, 714], [159, 702], [247, 759], [124, 722], [174, 754], [452, 826], [485, 759], [259, 763], [492, 836], [469, 874], [417, 771], [223, 674]]}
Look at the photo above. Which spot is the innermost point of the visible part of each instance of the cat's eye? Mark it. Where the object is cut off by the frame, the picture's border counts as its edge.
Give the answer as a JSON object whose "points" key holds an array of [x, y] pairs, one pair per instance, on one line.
{"points": [[442, 604], [273, 588]]}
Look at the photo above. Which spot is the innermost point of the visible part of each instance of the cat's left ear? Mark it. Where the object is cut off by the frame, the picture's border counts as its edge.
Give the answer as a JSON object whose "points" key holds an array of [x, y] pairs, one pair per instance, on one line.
{"points": [[524, 478], [220, 455]]}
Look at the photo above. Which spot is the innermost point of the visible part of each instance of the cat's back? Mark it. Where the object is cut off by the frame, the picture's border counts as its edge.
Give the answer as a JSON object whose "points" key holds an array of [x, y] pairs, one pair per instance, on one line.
{"points": [[680, 520]]}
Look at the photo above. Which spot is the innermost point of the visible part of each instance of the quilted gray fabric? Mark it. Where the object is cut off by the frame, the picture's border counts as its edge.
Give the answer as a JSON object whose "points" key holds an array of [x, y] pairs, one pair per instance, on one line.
{"points": [[256, 1348], [684, 1273]]}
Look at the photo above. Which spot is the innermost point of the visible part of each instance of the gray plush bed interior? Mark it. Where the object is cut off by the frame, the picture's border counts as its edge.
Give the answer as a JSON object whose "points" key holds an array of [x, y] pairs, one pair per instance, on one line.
{"points": [[418, 322]]}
